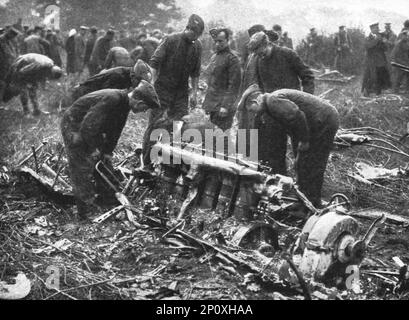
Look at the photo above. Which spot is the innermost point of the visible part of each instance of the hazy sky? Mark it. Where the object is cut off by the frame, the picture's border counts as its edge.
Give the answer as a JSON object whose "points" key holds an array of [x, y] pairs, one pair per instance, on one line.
{"points": [[278, 6], [298, 16]]}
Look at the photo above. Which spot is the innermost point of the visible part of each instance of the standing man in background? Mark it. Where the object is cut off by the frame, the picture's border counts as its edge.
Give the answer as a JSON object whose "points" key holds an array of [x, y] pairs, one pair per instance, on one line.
{"points": [[70, 49], [224, 81], [287, 41], [314, 43], [89, 46], [273, 68], [376, 76], [100, 52], [8, 53], [400, 54], [343, 47], [35, 43], [80, 48], [277, 29], [391, 39]]}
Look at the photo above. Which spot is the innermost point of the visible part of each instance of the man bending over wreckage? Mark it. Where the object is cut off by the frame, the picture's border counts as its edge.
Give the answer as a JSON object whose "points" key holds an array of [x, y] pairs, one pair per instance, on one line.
{"points": [[25, 74], [91, 128], [311, 123], [116, 78]]}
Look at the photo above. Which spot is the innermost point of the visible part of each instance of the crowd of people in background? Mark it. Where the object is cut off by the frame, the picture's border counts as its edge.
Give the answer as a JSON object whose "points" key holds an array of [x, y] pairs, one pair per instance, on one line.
{"points": [[93, 49]]}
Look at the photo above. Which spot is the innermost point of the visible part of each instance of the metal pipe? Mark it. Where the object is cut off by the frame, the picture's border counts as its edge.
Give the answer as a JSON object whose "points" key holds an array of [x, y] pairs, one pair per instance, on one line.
{"points": [[35, 158]]}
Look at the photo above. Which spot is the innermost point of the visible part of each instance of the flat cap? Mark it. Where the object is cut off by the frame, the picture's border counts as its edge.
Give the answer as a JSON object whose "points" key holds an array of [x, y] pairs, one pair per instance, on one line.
{"points": [[142, 70], [272, 35], [146, 92], [257, 40], [256, 28]]}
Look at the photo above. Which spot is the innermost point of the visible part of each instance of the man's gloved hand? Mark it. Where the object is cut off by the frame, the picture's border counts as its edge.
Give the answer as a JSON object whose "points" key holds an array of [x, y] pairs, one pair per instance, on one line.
{"points": [[223, 112]]}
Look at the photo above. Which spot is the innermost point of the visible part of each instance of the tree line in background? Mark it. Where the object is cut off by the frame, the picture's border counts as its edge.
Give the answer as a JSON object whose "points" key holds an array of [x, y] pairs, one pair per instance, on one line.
{"points": [[120, 14], [327, 51]]}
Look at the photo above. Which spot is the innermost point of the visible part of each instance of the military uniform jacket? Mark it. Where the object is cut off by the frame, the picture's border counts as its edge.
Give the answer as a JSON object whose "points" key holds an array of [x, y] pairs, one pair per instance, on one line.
{"points": [[400, 54], [100, 51], [99, 117], [115, 78], [30, 68], [176, 59], [283, 68], [317, 113], [8, 54], [375, 51], [89, 46], [36, 44], [118, 57], [224, 81]]}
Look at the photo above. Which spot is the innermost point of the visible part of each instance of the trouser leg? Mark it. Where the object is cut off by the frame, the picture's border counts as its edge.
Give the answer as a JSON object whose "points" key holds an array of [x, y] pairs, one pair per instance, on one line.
{"points": [[312, 163], [157, 125], [82, 177], [397, 79], [32, 92], [24, 98], [180, 107], [2, 89], [272, 144]]}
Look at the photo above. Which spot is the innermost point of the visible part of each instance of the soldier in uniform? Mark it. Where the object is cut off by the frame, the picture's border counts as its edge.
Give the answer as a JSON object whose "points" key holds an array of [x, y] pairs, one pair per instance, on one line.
{"points": [[277, 29], [287, 41], [52, 39], [35, 43], [8, 53], [80, 48], [405, 28], [273, 68], [343, 47], [89, 45], [91, 128], [145, 50], [400, 54], [245, 51], [311, 123], [223, 82], [314, 43], [177, 59], [115, 78], [70, 49], [118, 57], [25, 74], [391, 39], [376, 76], [100, 52]]}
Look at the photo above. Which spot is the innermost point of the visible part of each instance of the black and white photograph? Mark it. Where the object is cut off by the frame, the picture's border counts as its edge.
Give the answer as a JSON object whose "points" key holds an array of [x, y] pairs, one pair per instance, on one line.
{"points": [[201, 155]]}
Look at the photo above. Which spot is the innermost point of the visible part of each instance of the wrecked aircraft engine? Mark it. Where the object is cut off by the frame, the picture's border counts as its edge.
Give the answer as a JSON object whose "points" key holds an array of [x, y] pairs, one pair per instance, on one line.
{"points": [[328, 241], [257, 200]]}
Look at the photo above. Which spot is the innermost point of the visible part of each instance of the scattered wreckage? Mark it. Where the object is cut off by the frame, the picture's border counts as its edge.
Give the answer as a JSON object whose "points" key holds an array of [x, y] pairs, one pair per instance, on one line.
{"points": [[252, 201]]}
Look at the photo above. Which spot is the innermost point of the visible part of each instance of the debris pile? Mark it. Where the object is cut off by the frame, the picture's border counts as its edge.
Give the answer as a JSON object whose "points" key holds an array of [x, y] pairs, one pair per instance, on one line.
{"points": [[334, 76]]}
